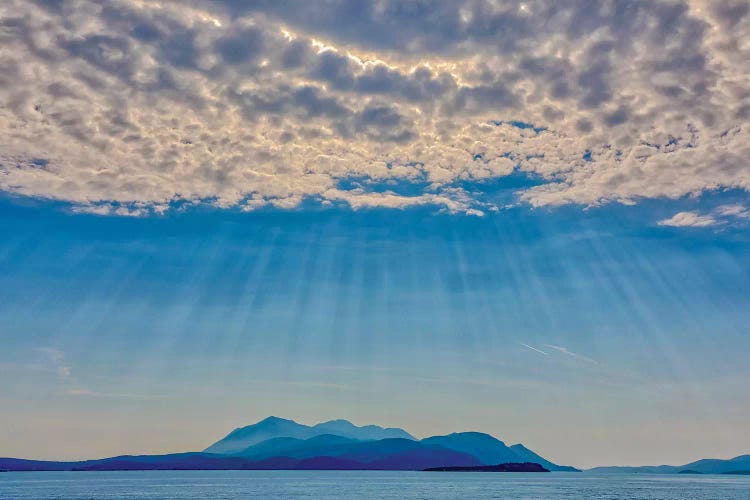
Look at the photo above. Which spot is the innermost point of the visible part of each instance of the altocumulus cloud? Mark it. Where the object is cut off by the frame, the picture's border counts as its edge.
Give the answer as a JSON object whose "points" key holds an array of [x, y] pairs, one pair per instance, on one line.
{"points": [[126, 107]]}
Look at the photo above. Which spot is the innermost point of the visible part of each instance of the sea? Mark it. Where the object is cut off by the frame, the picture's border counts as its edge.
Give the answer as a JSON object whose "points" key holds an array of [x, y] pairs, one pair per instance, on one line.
{"points": [[209, 485]]}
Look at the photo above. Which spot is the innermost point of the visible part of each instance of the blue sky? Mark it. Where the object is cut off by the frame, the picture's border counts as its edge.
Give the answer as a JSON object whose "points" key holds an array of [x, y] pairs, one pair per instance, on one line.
{"points": [[595, 336], [527, 218]]}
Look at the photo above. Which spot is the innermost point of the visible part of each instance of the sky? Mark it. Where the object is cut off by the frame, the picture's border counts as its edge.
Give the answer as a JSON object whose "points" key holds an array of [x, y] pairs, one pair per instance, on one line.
{"points": [[523, 218]]}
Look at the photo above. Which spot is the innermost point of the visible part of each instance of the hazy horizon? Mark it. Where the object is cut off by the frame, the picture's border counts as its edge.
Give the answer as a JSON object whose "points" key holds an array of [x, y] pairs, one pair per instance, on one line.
{"points": [[524, 218]]}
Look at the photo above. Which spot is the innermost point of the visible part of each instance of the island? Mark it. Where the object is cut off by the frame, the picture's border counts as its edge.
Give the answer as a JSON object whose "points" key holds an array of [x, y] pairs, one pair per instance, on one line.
{"points": [[276, 443], [509, 467]]}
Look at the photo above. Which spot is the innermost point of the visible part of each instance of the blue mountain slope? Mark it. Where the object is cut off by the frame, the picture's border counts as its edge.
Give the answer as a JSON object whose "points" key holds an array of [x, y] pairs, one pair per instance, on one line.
{"points": [[369, 451], [491, 451], [371, 432], [191, 460], [20, 464], [422, 458], [397, 453], [271, 427], [323, 445], [717, 466], [487, 449], [274, 427], [320, 452]]}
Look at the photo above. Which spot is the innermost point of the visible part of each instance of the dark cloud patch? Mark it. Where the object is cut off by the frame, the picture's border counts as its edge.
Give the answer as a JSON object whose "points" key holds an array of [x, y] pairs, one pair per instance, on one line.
{"points": [[109, 53], [383, 124], [497, 98], [179, 49], [730, 12], [584, 126], [419, 85], [315, 104], [295, 54], [617, 117], [241, 47], [334, 69]]}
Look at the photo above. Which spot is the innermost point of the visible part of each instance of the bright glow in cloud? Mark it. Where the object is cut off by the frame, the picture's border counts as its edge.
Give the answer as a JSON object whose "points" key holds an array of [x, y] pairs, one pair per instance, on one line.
{"points": [[124, 107]]}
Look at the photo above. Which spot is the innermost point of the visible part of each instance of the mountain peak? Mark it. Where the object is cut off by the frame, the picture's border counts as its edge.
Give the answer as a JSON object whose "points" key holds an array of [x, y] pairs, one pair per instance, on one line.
{"points": [[276, 420], [474, 436], [337, 421]]}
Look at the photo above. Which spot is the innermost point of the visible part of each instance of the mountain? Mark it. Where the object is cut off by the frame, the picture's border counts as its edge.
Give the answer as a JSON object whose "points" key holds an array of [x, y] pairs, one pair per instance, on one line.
{"points": [[19, 464], [390, 454], [366, 432], [275, 427], [490, 450], [718, 466], [277, 443], [325, 444], [487, 449], [705, 466], [201, 461], [420, 459], [385, 454], [269, 428], [529, 456]]}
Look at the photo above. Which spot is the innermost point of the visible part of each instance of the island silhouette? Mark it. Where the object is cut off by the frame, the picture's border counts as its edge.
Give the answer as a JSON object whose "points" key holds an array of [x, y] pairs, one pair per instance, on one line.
{"points": [[278, 443], [281, 444]]}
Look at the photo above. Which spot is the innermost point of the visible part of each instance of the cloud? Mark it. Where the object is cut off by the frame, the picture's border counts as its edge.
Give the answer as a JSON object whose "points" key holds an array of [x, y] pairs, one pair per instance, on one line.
{"points": [[70, 384], [689, 219], [722, 214], [734, 210], [83, 392], [128, 108], [56, 358]]}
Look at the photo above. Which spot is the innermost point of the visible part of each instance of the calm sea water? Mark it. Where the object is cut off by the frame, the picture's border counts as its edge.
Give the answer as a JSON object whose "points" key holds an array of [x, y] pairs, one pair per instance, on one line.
{"points": [[167, 485]]}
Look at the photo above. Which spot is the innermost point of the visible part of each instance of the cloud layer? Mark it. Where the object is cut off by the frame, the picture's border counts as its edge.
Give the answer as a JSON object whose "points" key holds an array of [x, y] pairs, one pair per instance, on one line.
{"points": [[128, 106]]}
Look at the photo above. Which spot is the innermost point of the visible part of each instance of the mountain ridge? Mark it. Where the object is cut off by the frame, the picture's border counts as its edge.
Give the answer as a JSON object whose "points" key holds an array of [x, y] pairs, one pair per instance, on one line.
{"points": [[280, 443], [272, 427], [702, 466]]}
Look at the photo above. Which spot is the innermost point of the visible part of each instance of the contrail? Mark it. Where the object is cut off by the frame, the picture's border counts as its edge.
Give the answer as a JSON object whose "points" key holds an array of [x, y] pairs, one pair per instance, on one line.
{"points": [[564, 350], [534, 349]]}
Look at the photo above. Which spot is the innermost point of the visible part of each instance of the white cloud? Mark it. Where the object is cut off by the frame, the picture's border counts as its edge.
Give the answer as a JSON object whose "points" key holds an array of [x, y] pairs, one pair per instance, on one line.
{"points": [[722, 214], [689, 219], [733, 210], [123, 107]]}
